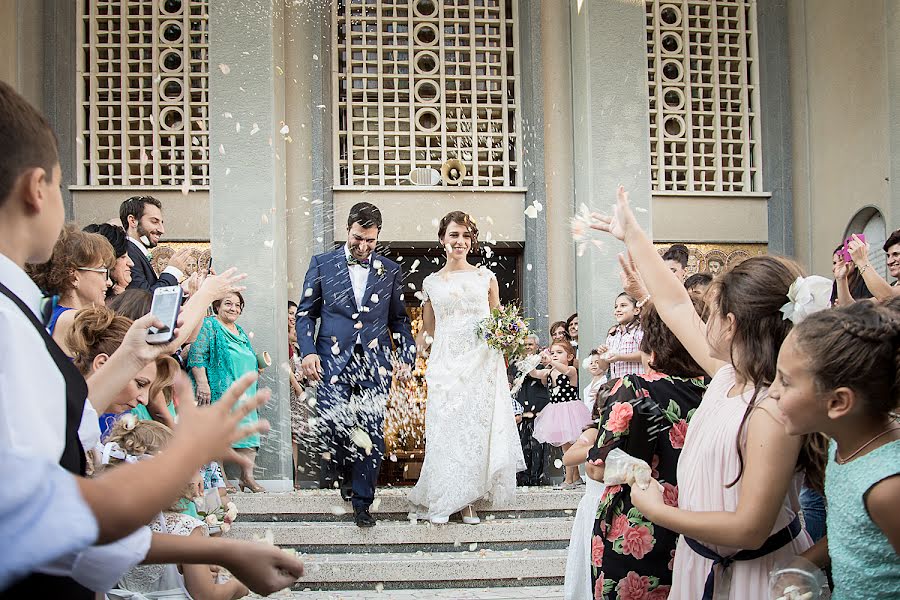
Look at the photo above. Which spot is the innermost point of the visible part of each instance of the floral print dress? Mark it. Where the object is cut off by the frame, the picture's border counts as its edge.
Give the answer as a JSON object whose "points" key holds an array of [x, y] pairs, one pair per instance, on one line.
{"points": [[647, 416]]}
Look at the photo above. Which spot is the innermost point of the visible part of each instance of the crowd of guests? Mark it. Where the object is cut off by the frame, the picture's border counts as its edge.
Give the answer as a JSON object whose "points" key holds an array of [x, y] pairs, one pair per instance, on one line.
{"points": [[764, 411], [112, 459]]}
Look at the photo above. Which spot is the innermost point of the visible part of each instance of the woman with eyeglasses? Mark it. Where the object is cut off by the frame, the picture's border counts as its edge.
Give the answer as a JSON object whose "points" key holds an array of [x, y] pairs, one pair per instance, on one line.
{"points": [[222, 354], [78, 273]]}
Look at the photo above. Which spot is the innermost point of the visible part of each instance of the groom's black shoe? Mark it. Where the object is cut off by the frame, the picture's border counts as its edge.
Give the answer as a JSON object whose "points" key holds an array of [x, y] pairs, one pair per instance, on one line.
{"points": [[346, 490], [363, 518], [328, 475]]}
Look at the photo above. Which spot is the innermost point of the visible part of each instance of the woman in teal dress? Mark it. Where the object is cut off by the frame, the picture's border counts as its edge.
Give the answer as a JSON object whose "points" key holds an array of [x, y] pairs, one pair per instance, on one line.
{"points": [[222, 354]]}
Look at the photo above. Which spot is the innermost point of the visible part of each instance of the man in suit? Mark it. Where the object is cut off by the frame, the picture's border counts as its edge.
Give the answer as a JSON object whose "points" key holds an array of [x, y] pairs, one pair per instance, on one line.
{"points": [[142, 219], [363, 337]]}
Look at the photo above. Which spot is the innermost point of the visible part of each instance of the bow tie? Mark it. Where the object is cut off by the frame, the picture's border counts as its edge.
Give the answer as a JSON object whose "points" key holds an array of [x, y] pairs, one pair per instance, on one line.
{"points": [[352, 260], [47, 306]]}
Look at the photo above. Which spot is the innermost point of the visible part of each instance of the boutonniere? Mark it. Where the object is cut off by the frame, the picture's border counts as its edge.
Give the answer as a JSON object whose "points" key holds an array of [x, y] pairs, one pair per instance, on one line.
{"points": [[379, 267]]}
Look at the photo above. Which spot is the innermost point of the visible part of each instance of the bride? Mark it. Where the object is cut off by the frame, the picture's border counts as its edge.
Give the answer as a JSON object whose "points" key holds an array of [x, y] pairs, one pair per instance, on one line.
{"points": [[472, 445]]}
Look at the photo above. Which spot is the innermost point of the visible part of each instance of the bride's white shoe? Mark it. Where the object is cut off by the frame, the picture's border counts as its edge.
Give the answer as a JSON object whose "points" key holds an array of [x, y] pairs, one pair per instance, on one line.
{"points": [[469, 517], [439, 520]]}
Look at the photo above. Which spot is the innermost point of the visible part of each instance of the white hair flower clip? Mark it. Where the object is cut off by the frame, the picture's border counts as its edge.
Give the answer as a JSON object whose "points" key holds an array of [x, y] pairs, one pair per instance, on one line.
{"points": [[129, 421], [114, 450], [806, 296]]}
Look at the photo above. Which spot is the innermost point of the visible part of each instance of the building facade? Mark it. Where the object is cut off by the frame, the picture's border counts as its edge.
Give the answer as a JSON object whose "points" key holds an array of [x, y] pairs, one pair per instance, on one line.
{"points": [[739, 126]]}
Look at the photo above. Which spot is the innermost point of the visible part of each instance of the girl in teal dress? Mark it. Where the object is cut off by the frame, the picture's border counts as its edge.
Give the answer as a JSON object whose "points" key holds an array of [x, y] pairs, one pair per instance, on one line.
{"points": [[837, 373], [222, 354]]}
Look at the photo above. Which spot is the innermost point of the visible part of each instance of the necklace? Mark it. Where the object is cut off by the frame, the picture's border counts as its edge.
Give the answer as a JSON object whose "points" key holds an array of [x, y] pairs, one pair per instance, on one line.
{"points": [[842, 461]]}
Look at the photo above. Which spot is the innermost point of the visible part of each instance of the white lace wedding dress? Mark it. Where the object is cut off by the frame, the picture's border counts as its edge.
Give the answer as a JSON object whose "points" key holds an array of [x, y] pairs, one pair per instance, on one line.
{"points": [[472, 447]]}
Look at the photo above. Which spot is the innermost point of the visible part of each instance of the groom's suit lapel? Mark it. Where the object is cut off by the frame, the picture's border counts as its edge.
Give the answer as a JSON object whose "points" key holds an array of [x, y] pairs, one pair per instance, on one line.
{"points": [[342, 270], [371, 281]]}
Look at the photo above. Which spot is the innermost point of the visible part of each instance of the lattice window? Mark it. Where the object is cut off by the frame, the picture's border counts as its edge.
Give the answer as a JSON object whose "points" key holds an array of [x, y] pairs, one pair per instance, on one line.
{"points": [[143, 115], [423, 81], [702, 78]]}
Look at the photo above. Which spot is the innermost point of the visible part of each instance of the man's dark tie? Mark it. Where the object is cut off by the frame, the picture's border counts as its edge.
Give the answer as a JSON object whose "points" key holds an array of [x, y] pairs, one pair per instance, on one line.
{"points": [[352, 260]]}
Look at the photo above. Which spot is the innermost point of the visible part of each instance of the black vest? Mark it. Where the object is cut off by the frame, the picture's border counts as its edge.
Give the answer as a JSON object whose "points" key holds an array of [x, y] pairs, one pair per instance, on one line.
{"points": [[48, 586]]}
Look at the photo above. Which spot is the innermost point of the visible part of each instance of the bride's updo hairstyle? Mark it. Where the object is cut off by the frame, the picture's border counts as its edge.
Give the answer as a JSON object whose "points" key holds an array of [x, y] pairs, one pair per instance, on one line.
{"points": [[460, 218]]}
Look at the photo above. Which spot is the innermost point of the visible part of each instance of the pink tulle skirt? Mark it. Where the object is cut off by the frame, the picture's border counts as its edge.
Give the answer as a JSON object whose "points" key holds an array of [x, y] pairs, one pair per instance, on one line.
{"points": [[561, 423]]}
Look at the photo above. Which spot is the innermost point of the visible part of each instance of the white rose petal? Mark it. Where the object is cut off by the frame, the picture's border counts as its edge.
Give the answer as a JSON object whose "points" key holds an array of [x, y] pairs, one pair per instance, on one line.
{"points": [[336, 349], [285, 130], [375, 298], [224, 68], [307, 292], [531, 212], [373, 344], [357, 325]]}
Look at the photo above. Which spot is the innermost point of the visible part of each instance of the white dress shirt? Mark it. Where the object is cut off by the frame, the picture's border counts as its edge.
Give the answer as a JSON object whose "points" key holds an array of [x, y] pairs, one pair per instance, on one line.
{"points": [[32, 390], [175, 271], [33, 415], [42, 514], [359, 278]]}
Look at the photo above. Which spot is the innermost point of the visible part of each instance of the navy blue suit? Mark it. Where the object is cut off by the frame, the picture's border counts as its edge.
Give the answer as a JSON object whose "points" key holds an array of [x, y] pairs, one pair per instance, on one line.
{"points": [[142, 274], [351, 369]]}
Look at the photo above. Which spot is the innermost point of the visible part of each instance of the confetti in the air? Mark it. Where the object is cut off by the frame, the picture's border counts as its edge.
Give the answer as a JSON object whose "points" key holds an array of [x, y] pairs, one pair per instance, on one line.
{"points": [[224, 68]]}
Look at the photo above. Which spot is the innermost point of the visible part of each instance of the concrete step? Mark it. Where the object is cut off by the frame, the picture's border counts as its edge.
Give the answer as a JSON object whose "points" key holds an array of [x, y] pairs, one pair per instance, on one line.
{"points": [[406, 536], [428, 570], [391, 503]]}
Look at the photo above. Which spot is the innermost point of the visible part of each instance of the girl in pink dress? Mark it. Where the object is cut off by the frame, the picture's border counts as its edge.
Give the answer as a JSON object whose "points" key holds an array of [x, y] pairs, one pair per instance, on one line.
{"points": [[739, 473]]}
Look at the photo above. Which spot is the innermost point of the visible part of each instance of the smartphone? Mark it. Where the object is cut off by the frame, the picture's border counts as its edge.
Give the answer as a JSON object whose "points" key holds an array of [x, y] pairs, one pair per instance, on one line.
{"points": [[845, 251], [166, 306]]}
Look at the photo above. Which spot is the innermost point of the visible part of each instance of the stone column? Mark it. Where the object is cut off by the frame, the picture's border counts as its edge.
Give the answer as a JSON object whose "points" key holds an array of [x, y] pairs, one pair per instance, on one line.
{"points": [[892, 58], [247, 195], [558, 159], [776, 122], [532, 100], [611, 134]]}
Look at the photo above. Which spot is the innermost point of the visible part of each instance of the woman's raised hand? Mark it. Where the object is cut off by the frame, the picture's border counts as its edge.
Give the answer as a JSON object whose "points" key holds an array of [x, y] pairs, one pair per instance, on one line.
{"points": [[135, 341], [212, 430], [859, 251], [219, 286], [632, 283], [621, 222]]}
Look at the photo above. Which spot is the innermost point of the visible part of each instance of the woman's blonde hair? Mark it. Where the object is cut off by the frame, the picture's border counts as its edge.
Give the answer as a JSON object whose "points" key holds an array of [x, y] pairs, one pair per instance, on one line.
{"points": [[137, 439], [166, 369], [145, 437], [95, 331]]}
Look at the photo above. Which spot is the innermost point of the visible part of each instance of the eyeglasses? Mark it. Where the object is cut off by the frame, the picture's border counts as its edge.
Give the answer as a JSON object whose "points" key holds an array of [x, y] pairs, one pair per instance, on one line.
{"points": [[103, 270]]}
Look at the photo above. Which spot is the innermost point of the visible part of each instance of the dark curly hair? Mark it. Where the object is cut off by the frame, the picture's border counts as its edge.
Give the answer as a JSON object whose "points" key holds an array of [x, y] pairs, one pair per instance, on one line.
{"points": [[669, 355], [73, 249], [679, 253], [114, 234]]}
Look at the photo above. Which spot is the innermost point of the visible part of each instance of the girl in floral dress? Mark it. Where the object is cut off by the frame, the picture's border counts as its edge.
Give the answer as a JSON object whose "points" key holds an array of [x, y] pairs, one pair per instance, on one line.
{"points": [[739, 473], [646, 416]]}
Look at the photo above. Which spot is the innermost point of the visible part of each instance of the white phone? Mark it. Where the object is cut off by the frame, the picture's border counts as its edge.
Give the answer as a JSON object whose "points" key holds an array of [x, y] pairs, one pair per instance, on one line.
{"points": [[166, 306]]}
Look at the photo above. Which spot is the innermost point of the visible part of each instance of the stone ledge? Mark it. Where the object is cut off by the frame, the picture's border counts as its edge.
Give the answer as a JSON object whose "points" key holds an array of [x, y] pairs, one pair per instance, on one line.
{"points": [[432, 567], [310, 534], [393, 501]]}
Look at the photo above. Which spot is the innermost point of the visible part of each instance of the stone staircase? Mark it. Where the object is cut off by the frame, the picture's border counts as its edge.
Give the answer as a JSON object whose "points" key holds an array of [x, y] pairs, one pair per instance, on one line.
{"points": [[523, 544]]}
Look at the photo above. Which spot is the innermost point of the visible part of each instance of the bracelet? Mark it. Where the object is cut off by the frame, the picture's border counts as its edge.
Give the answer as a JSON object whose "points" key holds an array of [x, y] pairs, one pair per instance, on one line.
{"points": [[863, 270], [641, 303]]}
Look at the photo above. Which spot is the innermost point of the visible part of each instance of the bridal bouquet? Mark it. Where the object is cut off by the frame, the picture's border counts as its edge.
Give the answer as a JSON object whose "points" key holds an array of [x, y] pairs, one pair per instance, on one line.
{"points": [[505, 330]]}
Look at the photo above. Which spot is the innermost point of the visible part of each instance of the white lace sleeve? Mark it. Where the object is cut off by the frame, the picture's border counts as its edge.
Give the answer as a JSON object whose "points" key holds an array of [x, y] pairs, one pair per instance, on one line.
{"points": [[178, 524], [423, 293]]}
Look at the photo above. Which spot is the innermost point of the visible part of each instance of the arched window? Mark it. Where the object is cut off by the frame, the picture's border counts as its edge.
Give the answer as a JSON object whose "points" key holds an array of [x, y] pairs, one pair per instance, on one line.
{"points": [[870, 222]]}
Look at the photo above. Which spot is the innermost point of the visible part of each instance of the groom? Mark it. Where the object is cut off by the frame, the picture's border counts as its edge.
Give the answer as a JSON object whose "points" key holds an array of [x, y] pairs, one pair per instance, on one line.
{"points": [[363, 336]]}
